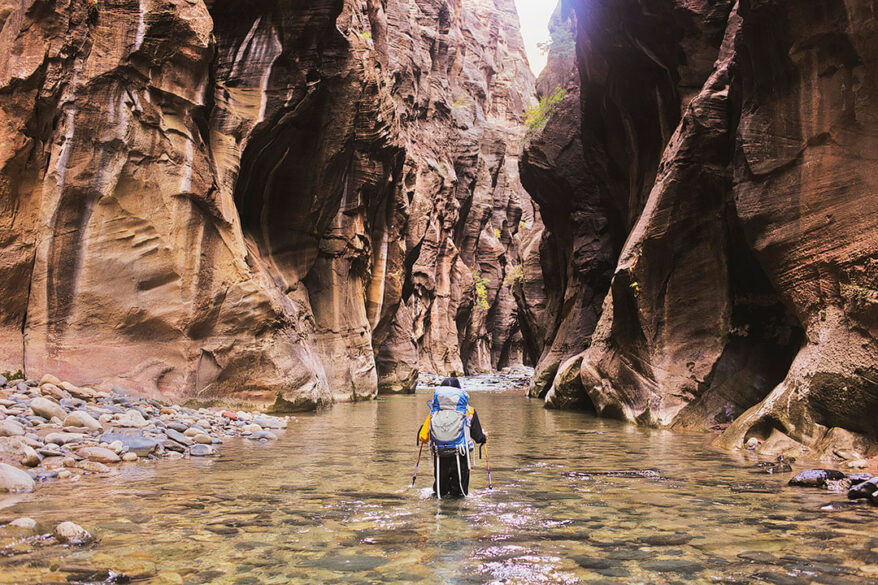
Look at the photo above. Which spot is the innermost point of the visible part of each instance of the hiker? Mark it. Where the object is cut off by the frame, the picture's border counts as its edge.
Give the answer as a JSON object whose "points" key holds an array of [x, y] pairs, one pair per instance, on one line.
{"points": [[452, 427]]}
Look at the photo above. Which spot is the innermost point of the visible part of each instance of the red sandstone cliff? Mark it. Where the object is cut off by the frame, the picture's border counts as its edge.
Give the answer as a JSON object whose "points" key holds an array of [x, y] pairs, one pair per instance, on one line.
{"points": [[731, 143], [216, 198]]}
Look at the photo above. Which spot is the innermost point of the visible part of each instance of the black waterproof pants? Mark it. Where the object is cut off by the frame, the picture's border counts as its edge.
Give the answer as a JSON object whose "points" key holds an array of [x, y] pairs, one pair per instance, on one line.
{"points": [[449, 482]]}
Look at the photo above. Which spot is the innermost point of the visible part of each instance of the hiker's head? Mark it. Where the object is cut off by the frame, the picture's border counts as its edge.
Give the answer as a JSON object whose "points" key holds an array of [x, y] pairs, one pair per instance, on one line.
{"points": [[452, 381]]}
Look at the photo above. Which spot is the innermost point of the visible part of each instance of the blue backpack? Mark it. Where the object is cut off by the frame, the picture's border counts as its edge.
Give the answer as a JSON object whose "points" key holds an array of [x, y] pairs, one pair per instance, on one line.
{"points": [[449, 423]]}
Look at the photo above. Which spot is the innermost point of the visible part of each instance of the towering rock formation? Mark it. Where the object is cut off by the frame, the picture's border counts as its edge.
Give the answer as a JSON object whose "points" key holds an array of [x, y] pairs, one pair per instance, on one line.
{"points": [[217, 199], [730, 141]]}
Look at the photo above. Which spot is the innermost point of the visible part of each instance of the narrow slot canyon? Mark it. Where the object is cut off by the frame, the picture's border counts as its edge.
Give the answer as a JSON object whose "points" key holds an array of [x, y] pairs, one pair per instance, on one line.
{"points": [[642, 237]]}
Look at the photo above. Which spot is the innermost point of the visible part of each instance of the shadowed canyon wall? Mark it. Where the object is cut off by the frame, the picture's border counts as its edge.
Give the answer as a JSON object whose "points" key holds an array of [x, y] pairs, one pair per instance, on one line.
{"points": [[291, 202], [729, 142]]}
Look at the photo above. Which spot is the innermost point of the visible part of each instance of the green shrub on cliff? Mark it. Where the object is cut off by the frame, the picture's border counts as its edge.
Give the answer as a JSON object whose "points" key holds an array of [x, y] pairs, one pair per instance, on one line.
{"points": [[562, 43], [515, 276], [537, 116], [481, 291]]}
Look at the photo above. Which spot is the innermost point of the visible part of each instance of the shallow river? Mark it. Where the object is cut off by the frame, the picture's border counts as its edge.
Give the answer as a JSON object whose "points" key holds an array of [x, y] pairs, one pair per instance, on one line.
{"points": [[575, 500]]}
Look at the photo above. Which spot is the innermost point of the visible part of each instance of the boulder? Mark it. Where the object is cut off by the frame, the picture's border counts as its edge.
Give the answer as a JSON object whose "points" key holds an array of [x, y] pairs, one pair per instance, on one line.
{"points": [[54, 391], [136, 443], [70, 533], [816, 477], [24, 522], [864, 489], [47, 409], [92, 466], [11, 428], [80, 418], [201, 450], [131, 419], [99, 454], [50, 379], [64, 438], [14, 480]]}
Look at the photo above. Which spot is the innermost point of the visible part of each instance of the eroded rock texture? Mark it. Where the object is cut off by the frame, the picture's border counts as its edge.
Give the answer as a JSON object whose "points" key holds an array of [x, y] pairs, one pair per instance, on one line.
{"points": [[217, 199], [730, 142]]}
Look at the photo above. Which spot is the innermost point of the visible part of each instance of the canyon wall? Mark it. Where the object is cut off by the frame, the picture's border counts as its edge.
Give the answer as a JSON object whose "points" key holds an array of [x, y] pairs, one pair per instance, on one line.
{"points": [[729, 142], [290, 203]]}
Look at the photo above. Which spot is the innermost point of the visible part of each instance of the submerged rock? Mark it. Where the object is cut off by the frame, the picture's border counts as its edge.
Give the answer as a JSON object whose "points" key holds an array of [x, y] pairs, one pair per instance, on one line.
{"points": [[137, 443], [816, 477], [865, 489], [71, 533]]}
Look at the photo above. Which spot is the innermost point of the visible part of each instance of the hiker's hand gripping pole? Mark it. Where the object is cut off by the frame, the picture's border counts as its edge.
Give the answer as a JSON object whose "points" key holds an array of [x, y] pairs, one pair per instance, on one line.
{"points": [[415, 476], [488, 465]]}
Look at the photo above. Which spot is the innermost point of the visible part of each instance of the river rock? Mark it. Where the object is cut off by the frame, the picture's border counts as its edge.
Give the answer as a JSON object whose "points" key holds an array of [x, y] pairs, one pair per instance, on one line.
{"points": [[14, 480], [130, 457], [47, 409], [177, 426], [55, 392], [92, 466], [99, 454], [137, 443], [270, 423], [71, 533], [201, 450], [864, 489], [79, 418], [64, 438], [251, 428], [131, 418], [29, 457], [267, 435], [177, 436], [816, 477], [49, 379], [80, 392], [24, 522], [11, 428]]}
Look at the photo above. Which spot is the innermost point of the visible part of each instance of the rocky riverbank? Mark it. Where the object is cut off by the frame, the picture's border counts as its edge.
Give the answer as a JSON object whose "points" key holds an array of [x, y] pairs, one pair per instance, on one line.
{"points": [[52, 429]]}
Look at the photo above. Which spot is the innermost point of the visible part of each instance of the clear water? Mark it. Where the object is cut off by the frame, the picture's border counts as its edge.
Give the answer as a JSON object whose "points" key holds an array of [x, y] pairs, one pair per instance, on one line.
{"points": [[575, 500]]}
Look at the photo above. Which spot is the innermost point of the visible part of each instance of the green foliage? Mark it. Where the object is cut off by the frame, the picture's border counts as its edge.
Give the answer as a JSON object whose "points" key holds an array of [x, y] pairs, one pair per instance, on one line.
{"points": [[635, 288], [461, 102], [481, 291], [515, 276], [522, 224], [367, 36], [537, 116], [19, 375], [497, 233], [562, 43]]}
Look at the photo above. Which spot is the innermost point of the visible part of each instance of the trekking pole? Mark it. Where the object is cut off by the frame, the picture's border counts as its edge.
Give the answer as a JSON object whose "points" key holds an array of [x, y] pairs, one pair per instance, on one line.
{"points": [[415, 476], [488, 465]]}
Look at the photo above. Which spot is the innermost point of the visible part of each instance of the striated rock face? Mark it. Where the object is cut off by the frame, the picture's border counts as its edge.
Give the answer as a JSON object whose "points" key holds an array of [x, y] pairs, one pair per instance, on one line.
{"points": [[727, 142], [204, 200], [461, 82], [567, 267]]}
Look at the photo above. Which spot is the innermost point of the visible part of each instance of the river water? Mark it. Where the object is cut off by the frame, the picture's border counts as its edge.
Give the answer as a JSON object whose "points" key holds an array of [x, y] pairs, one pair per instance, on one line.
{"points": [[576, 499]]}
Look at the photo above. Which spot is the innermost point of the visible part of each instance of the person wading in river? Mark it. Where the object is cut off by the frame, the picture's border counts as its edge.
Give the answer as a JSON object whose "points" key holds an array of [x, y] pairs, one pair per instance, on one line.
{"points": [[452, 427]]}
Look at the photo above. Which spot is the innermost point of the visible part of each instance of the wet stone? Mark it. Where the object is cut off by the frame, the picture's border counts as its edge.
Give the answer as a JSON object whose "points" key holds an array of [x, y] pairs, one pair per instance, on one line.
{"points": [[177, 436], [816, 477], [673, 566], [592, 562], [630, 554], [200, 451], [347, 563], [758, 556], [137, 443], [665, 539], [779, 578]]}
